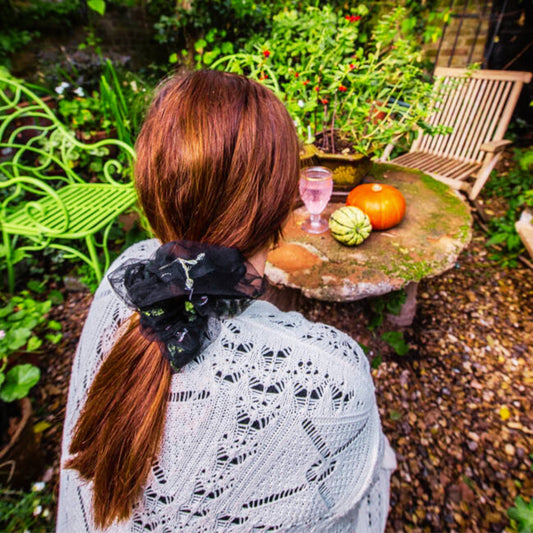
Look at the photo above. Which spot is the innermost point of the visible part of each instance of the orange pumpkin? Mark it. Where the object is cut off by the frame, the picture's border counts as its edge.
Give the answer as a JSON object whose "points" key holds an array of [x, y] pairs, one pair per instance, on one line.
{"points": [[384, 204]]}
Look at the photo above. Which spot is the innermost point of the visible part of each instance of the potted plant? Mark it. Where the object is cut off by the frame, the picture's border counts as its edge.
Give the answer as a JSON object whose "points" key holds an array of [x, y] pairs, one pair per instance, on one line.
{"points": [[349, 93], [22, 324]]}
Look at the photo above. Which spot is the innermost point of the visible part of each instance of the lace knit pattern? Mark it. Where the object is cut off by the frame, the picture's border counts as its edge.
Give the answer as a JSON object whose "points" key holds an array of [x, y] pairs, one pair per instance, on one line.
{"points": [[274, 427]]}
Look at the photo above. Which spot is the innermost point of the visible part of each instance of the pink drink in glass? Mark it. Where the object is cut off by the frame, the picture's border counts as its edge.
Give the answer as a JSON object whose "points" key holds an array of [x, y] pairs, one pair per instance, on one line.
{"points": [[316, 186]]}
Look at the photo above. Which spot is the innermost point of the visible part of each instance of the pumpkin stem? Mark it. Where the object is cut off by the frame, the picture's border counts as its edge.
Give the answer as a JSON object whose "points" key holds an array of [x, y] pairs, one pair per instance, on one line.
{"points": [[377, 187]]}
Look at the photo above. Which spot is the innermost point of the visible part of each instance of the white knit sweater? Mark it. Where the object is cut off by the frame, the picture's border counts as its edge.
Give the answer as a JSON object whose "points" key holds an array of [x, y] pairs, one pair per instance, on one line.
{"points": [[274, 427]]}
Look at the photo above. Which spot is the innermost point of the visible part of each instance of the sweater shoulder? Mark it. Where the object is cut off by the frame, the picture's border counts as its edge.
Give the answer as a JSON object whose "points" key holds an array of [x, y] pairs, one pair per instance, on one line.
{"points": [[295, 329]]}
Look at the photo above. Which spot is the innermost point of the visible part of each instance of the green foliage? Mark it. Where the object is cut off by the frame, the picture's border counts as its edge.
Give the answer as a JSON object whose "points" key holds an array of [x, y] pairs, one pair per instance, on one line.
{"points": [[39, 16], [516, 187], [117, 108], [23, 326], [396, 341], [87, 276], [85, 113], [12, 40], [97, 5], [390, 303], [329, 72], [18, 381], [521, 515], [125, 98], [221, 23], [27, 511]]}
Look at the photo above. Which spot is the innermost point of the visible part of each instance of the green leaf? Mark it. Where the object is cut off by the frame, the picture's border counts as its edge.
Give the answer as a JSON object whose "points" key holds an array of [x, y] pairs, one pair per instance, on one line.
{"points": [[395, 300], [19, 380], [199, 45], [7, 310], [498, 238], [17, 338], [56, 297], [18, 255], [227, 48], [395, 415], [34, 344], [396, 341], [41, 426], [209, 57], [365, 348], [97, 5], [173, 58], [55, 325], [54, 339], [376, 361], [36, 286], [522, 513]]}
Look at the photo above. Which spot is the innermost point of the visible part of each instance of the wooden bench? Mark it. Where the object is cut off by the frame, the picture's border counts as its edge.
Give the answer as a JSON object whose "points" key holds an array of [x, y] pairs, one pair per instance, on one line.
{"points": [[44, 201], [477, 106]]}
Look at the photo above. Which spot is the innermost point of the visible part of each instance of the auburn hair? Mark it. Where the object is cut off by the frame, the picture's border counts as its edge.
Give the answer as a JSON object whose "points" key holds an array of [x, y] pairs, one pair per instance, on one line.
{"points": [[217, 162]]}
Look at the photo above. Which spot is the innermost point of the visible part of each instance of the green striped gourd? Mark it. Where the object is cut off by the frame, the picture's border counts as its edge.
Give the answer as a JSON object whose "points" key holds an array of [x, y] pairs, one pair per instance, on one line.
{"points": [[349, 225]]}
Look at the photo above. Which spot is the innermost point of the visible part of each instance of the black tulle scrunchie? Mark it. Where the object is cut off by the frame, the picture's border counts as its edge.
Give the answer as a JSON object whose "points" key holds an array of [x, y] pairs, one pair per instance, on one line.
{"points": [[183, 285]]}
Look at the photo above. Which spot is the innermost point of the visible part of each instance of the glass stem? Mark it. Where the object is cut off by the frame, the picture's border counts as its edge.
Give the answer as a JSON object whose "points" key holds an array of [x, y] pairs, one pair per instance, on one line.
{"points": [[315, 219]]}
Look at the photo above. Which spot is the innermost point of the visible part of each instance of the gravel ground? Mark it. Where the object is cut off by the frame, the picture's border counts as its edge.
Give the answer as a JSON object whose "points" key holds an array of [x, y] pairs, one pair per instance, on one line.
{"points": [[456, 408]]}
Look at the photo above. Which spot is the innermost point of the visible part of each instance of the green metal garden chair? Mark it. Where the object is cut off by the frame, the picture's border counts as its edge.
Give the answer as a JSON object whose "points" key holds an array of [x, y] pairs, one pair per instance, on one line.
{"points": [[44, 202]]}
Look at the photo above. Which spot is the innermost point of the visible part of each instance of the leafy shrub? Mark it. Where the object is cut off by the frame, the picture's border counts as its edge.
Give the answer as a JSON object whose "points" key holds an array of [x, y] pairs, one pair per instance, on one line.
{"points": [[516, 187], [521, 515], [23, 326], [330, 73], [26, 511]]}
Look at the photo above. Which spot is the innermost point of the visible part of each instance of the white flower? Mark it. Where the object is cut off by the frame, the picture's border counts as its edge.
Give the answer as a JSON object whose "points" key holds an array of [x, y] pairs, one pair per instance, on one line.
{"points": [[79, 91], [2, 333], [133, 86], [60, 89], [38, 510], [46, 513], [39, 486], [301, 103]]}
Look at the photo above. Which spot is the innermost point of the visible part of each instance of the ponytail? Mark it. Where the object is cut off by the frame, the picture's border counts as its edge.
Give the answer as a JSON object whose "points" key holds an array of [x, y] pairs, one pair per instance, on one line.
{"points": [[119, 431], [217, 162]]}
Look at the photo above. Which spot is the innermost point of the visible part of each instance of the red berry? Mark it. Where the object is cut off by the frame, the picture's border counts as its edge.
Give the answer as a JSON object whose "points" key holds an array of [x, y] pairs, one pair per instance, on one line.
{"points": [[342, 88], [266, 53]]}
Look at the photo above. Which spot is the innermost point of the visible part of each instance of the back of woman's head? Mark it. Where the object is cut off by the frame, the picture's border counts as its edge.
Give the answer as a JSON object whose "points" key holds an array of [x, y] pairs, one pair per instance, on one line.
{"points": [[217, 162]]}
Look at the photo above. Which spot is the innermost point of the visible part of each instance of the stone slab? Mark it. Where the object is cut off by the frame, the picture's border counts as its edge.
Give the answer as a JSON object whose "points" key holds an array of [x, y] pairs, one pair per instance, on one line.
{"points": [[436, 228]]}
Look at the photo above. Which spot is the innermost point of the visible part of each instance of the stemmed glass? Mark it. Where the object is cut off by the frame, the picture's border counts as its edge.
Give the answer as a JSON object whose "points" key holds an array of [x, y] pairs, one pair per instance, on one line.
{"points": [[316, 186]]}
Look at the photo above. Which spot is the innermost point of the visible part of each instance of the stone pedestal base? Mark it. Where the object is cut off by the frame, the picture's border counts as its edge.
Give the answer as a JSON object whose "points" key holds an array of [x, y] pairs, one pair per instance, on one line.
{"points": [[408, 310], [287, 299]]}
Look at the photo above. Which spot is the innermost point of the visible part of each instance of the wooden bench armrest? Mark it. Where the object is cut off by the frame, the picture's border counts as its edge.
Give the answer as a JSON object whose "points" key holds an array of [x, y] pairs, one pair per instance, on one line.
{"points": [[495, 146]]}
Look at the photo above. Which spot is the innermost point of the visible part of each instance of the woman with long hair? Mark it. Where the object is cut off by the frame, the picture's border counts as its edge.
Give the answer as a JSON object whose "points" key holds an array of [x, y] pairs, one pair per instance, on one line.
{"points": [[193, 406]]}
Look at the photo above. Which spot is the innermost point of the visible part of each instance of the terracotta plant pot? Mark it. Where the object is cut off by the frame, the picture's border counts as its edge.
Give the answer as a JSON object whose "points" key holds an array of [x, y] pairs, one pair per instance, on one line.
{"points": [[20, 458], [348, 169]]}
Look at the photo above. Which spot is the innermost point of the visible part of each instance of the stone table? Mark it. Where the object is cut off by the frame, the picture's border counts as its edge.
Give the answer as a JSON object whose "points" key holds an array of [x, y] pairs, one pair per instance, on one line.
{"points": [[436, 228]]}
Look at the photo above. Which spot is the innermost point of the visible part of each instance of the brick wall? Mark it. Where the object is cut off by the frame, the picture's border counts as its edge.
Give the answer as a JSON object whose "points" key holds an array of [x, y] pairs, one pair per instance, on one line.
{"points": [[467, 44]]}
